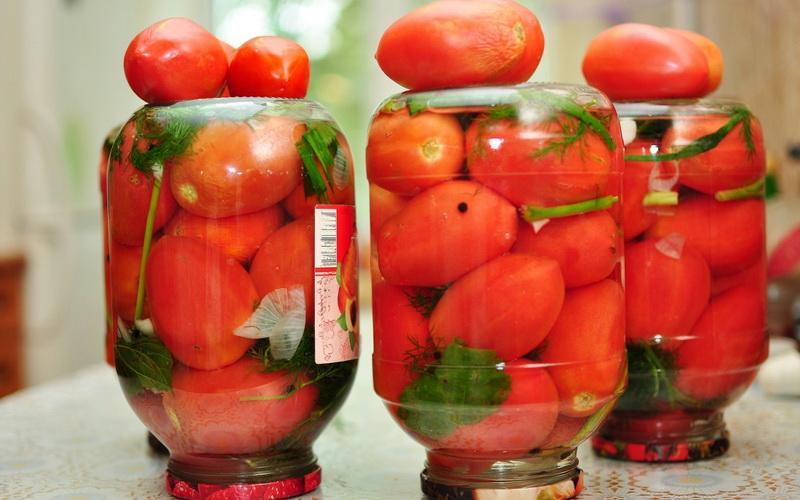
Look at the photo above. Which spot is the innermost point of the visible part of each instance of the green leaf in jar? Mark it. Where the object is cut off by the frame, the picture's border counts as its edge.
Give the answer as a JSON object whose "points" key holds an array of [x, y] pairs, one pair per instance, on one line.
{"points": [[464, 387], [146, 359], [651, 373], [319, 143]]}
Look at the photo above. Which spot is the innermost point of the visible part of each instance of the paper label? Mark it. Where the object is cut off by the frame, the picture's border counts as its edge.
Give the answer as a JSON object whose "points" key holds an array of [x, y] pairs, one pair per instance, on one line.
{"points": [[335, 284]]}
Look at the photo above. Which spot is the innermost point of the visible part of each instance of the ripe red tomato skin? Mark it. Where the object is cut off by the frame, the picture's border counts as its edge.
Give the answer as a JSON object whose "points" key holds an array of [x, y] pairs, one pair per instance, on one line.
{"points": [[637, 62], [198, 296], [521, 423], [408, 154], [399, 330], [587, 347], [507, 305], [124, 270], [237, 168], [129, 192], [238, 236], [269, 66], [728, 165], [664, 295], [416, 247], [286, 260], [383, 205], [713, 55], [729, 342], [175, 60], [586, 246], [637, 181], [211, 418], [500, 155], [716, 230], [449, 44]]}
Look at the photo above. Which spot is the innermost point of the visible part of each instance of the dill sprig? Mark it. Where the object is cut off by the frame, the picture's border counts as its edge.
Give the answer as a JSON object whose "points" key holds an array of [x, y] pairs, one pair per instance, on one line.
{"points": [[424, 300], [168, 133]]}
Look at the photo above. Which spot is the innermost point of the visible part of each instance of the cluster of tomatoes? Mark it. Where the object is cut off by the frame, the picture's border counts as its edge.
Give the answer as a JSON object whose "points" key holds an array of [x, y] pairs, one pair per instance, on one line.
{"points": [[177, 59], [231, 224], [455, 261], [695, 271]]}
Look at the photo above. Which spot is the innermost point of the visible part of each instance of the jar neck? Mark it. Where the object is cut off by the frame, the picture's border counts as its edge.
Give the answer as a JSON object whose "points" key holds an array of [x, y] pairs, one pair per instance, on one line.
{"points": [[459, 472], [221, 469]]}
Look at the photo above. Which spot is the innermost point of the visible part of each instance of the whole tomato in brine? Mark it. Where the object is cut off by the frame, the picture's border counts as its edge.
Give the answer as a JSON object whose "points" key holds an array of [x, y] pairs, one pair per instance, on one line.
{"points": [[738, 160], [535, 164], [198, 296], [407, 154], [234, 168], [130, 190], [238, 409], [586, 347], [443, 233]]}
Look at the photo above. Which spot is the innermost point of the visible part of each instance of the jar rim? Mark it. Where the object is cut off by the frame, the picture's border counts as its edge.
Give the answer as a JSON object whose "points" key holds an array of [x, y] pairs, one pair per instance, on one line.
{"points": [[678, 107]]}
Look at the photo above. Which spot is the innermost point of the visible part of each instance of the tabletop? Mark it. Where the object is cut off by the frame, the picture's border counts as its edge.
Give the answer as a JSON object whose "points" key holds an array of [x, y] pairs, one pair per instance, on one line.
{"points": [[77, 438]]}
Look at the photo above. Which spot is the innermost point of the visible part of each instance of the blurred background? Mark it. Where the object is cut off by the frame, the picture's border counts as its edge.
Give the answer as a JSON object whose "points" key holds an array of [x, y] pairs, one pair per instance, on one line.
{"points": [[64, 89]]}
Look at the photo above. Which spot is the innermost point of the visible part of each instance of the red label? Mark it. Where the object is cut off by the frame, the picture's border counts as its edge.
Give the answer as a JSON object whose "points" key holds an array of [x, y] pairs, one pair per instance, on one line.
{"points": [[335, 284]]}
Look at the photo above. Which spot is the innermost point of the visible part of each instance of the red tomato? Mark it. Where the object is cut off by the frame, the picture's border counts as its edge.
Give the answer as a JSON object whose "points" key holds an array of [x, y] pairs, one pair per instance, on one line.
{"points": [[238, 168], [401, 336], [638, 61], [713, 56], [729, 235], [729, 342], [639, 179], [502, 154], [238, 236], [729, 165], [383, 205], [564, 432], [667, 287], [175, 60], [449, 43], [521, 423], [210, 417], [587, 246], [408, 154], [198, 296], [286, 260], [299, 205], [269, 66], [587, 347], [507, 305], [229, 53], [149, 407], [445, 232], [754, 275], [129, 195], [124, 269]]}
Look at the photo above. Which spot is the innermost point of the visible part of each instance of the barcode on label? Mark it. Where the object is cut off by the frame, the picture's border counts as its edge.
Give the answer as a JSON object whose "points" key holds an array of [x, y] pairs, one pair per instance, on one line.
{"points": [[325, 238]]}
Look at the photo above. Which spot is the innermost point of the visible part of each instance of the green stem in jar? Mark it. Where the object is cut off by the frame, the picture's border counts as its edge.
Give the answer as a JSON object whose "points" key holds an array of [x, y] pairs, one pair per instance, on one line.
{"points": [[570, 107], [158, 171], [533, 213], [707, 142], [754, 190], [660, 198]]}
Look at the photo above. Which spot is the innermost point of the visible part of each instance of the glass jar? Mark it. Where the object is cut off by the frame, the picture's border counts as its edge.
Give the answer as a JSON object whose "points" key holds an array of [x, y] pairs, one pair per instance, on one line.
{"points": [[102, 169], [232, 225], [497, 299], [694, 276]]}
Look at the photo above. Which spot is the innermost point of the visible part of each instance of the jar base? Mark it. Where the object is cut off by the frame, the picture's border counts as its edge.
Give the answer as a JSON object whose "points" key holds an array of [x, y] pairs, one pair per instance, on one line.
{"points": [[284, 488], [683, 438], [554, 476]]}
